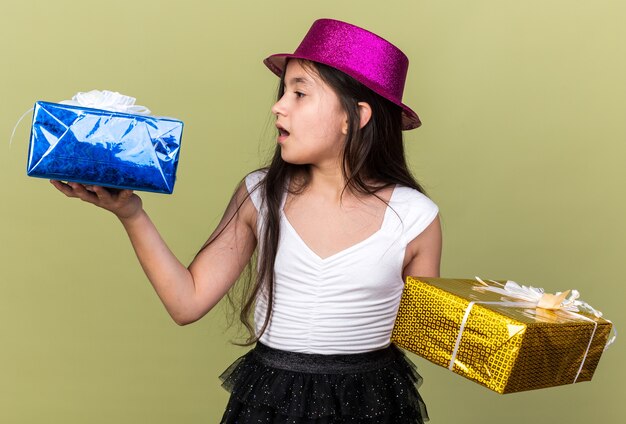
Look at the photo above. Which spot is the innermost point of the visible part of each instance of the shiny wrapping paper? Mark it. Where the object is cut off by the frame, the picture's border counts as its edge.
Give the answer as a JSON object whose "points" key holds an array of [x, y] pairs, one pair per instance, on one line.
{"points": [[112, 149], [506, 349]]}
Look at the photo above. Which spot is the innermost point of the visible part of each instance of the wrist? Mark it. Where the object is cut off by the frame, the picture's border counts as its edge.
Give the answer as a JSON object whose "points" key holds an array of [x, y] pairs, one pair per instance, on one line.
{"points": [[131, 218]]}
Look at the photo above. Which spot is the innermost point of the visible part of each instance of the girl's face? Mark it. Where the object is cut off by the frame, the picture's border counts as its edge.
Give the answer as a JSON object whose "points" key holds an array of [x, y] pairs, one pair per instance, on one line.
{"points": [[312, 124]]}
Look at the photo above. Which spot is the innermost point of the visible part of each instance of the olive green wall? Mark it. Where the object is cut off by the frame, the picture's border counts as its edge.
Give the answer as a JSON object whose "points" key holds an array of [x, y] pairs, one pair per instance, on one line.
{"points": [[523, 148]]}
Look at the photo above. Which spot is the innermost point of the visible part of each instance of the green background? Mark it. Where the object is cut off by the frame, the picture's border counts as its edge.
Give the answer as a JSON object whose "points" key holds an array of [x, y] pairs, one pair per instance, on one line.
{"points": [[522, 147]]}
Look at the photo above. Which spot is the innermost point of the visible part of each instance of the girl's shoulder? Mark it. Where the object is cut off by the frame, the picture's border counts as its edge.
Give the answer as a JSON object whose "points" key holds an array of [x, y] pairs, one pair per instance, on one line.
{"points": [[414, 210], [255, 177], [408, 197], [253, 182]]}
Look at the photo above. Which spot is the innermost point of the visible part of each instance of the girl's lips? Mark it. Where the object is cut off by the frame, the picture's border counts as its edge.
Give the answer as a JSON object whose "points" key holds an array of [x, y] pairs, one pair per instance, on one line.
{"points": [[282, 134], [282, 137]]}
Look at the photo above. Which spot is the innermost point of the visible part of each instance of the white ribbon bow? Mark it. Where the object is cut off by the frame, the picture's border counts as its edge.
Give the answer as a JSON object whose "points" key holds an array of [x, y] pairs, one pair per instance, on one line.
{"points": [[538, 298], [541, 299], [107, 100]]}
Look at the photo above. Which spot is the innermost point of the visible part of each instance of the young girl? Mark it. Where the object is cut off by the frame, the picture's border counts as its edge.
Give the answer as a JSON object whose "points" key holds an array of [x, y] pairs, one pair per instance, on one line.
{"points": [[337, 220]]}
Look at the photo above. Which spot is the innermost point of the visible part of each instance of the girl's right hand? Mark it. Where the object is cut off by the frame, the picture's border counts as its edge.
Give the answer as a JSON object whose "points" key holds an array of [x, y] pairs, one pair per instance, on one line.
{"points": [[123, 203]]}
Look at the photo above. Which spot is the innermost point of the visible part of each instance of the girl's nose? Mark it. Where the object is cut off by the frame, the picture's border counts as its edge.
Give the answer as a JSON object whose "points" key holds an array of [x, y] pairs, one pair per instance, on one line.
{"points": [[278, 108]]}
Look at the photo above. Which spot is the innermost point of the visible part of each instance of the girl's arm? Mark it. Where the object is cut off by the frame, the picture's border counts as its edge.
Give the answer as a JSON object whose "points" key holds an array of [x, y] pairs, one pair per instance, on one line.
{"points": [[187, 293], [423, 253]]}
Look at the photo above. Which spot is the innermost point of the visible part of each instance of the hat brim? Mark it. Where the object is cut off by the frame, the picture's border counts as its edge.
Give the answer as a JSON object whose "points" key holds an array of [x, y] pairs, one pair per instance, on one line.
{"points": [[276, 64]]}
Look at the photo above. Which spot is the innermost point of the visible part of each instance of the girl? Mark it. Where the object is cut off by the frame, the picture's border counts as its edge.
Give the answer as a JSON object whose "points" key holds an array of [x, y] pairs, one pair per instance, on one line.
{"points": [[337, 221]]}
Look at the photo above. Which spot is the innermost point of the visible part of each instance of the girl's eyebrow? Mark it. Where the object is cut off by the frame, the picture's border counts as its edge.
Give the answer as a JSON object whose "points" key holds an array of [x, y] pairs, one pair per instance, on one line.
{"points": [[301, 80]]}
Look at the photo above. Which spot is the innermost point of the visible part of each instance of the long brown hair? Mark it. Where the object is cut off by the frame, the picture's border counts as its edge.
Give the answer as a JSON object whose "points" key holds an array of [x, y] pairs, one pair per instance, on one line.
{"points": [[373, 159]]}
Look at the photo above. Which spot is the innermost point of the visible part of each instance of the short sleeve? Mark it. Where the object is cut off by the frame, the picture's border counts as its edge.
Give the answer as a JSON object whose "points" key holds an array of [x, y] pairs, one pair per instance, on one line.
{"points": [[417, 212], [253, 185]]}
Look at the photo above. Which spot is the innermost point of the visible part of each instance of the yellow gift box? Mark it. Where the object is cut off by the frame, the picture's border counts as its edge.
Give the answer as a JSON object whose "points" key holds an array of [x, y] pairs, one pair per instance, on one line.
{"points": [[497, 337]]}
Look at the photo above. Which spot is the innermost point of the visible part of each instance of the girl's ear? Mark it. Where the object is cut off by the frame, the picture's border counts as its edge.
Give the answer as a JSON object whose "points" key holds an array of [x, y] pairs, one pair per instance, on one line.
{"points": [[365, 113]]}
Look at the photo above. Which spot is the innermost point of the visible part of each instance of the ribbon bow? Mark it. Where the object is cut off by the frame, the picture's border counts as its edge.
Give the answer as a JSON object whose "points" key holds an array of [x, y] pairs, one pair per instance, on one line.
{"points": [[107, 100], [543, 300]]}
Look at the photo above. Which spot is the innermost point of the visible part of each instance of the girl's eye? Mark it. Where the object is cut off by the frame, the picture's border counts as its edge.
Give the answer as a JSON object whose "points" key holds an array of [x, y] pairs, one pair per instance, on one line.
{"points": [[299, 94]]}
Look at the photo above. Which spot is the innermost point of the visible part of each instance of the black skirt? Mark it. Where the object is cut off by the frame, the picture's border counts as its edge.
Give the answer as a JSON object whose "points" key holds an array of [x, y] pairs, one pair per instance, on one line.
{"points": [[275, 386]]}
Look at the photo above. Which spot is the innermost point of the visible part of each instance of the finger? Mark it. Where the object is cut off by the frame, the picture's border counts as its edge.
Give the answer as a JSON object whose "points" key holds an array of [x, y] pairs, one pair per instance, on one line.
{"points": [[82, 193], [63, 188], [125, 195], [101, 193]]}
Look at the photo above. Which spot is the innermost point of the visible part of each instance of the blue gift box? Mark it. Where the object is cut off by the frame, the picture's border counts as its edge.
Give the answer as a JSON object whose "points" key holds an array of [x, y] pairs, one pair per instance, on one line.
{"points": [[100, 147]]}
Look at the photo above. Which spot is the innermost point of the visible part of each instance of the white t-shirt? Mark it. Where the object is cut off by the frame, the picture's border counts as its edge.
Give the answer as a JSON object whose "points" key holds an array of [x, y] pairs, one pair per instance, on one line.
{"points": [[347, 302]]}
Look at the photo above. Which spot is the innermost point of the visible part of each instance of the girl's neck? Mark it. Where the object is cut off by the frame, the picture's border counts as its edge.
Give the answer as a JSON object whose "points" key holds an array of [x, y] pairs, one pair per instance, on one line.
{"points": [[329, 183], [327, 179]]}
